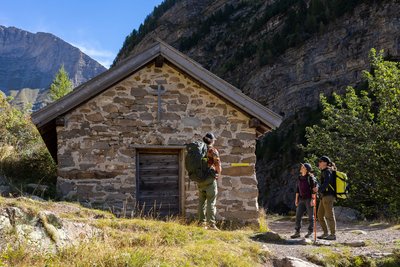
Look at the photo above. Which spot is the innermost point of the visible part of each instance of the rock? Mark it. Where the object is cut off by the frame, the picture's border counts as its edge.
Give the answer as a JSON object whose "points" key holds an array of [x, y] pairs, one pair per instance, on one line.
{"points": [[344, 214], [378, 255], [303, 241], [268, 237], [358, 232], [5, 223], [321, 242], [44, 232], [36, 198], [292, 262], [5, 190], [356, 243]]}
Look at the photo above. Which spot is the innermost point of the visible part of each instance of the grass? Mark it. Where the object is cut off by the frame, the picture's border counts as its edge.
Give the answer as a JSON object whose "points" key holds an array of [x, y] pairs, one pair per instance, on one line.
{"points": [[149, 242], [396, 227], [134, 242], [341, 256]]}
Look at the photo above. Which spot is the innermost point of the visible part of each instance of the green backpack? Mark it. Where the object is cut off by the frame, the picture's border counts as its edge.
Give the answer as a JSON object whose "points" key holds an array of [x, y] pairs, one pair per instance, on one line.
{"points": [[341, 184], [196, 162]]}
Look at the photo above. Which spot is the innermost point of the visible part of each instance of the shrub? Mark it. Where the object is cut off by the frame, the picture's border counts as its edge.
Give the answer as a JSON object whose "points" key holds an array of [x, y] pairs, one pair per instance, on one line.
{"points": [[24, 157]]}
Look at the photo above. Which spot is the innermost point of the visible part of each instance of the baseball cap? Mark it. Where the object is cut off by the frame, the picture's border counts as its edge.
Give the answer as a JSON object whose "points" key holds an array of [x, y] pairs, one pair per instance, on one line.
{"points": [[325, 159]]}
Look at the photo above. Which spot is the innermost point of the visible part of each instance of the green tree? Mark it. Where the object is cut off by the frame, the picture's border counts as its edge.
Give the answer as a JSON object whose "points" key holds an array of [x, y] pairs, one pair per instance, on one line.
{"points": [[360, 131], [61, 85], [16, 130], [23, 155]]}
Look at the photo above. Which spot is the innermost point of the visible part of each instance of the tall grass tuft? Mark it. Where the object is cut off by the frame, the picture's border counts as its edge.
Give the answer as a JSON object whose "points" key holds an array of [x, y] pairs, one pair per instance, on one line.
{"points": [[262, 221]]}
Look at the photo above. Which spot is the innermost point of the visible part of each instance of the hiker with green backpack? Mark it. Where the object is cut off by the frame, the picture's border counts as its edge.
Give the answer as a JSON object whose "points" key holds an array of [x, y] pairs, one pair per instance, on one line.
{"points": [[326, 215], [204, 167], [306, 187]]}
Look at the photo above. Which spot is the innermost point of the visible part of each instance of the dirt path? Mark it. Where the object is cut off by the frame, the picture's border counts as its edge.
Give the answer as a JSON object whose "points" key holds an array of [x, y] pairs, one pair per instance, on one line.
{"points": [[380, 238]]}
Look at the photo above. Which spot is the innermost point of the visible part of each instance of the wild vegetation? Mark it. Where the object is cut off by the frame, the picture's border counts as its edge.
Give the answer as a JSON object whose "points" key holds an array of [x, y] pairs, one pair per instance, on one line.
{"points": [[23, 156]]}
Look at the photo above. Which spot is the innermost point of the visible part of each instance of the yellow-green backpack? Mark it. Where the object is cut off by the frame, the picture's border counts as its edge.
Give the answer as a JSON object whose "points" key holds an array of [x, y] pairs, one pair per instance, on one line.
{"points": [[341, 186]]}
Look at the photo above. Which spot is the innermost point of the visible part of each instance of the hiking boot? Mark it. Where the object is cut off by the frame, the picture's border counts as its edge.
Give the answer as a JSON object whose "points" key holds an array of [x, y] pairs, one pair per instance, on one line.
{"points": [[308, 234], [203, 225], [213, 227], [323, 236], [330, 237], [295, 235]]}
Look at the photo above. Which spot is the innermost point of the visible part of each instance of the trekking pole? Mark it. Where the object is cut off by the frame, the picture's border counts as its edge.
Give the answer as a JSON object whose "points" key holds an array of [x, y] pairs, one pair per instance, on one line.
{"points": [[315, 217]]}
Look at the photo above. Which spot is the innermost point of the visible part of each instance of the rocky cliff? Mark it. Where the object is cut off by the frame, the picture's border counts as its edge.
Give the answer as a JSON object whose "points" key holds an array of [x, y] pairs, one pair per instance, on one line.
{"points": [[282, 53], [225, 36], [30, 60]]}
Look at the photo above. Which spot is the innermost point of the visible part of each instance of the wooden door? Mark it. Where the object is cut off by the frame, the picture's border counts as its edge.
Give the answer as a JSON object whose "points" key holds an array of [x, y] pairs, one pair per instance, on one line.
{"points": [[158, 183]]}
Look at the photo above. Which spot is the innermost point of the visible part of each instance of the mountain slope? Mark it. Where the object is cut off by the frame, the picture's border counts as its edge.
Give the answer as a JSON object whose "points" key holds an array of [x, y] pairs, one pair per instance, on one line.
{"points": [[248, 43], [30, 60]]}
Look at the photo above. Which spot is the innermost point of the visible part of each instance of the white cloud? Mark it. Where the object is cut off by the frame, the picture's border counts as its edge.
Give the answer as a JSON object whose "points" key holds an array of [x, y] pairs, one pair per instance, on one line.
{"points": [[104, 57]]}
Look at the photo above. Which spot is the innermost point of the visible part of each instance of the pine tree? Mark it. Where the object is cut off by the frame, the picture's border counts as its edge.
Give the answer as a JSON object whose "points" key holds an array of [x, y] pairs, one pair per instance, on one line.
{"points": [[61, 85]]}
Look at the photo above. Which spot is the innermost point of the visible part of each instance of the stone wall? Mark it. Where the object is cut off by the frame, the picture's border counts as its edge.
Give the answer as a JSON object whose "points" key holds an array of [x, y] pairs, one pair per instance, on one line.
{"points": [[97, 144]]}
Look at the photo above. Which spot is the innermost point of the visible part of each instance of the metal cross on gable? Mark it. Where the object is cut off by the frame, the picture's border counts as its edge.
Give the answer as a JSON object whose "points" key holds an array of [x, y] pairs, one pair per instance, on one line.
{"points": [[158, 89]]}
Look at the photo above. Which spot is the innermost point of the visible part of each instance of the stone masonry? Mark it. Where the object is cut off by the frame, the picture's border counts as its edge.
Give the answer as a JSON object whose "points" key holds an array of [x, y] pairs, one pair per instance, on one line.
{"points": [[97, 144]]}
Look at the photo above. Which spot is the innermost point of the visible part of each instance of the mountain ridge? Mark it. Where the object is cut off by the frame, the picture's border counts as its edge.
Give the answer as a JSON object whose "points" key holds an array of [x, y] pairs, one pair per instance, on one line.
{"points": [[31, 60]]}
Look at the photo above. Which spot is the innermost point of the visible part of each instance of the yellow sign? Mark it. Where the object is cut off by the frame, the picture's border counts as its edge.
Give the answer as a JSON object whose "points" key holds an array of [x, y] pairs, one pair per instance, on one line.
{"points": [[240, 164]]}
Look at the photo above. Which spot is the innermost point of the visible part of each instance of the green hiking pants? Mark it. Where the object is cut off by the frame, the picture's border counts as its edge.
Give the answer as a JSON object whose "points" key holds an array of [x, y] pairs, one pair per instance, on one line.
{"points": [[325, 214], [207, 200]]}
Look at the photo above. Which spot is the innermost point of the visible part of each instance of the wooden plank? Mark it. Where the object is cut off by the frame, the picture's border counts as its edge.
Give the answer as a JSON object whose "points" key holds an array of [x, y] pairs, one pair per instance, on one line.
{"points": [[159, 173], [157, 165], [157, 187], [155, 160], [158, 180], [158, 156], [165, 193], [157, 184]]}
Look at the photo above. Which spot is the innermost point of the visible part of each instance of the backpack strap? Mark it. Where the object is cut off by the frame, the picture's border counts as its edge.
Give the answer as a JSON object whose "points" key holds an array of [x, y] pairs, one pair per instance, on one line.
{"points": [[311, 181], [333, 180]]}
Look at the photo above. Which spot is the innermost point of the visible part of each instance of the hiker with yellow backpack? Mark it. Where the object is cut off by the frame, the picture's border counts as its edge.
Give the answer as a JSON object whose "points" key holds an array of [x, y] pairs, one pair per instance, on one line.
{"points": [[326, 215]]}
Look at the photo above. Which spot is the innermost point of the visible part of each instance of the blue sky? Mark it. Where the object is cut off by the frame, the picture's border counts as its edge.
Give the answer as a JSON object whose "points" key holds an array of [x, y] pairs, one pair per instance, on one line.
{"points": [[97, 27]]}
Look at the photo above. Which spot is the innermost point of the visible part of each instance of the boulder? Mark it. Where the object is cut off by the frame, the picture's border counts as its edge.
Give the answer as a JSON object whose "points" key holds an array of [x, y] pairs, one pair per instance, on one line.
{"points": [[292, 262], [268, 237], [354, 243], [45, 231], [344, 214]]}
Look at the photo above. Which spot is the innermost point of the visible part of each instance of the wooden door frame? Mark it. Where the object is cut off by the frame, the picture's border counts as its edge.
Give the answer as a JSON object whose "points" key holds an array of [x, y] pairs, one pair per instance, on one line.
{"points": [[180, 150]]}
